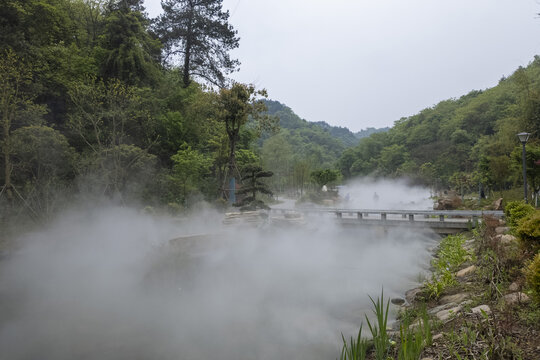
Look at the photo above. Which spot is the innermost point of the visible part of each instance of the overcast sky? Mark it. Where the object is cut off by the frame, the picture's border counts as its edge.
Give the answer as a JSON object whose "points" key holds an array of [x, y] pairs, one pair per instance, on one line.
{"points": [[367, 63]]}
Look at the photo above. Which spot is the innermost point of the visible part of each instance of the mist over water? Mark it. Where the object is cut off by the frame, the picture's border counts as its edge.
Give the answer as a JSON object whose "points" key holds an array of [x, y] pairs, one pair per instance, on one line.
{"points": [[108, 283], [366, 193]]}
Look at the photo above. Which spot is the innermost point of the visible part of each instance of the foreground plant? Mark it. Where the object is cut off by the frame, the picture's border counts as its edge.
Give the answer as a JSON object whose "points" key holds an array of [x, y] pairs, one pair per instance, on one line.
{"points": [[532, 276], [355, 349], [414, 340], [378, 330], [450, 256]]}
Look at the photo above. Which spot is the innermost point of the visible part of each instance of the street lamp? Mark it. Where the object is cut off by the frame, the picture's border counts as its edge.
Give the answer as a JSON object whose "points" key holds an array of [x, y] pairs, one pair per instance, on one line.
{"points": [[523, 137]]}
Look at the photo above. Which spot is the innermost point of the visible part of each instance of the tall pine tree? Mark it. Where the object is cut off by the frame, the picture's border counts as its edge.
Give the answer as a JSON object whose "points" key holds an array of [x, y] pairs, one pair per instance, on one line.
{"points": [[197, 33]]}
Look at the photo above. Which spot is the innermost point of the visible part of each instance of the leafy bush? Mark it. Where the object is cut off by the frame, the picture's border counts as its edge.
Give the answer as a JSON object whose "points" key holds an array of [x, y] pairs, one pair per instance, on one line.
{"points": [[532, 275], [517, 210], [528, 231]]}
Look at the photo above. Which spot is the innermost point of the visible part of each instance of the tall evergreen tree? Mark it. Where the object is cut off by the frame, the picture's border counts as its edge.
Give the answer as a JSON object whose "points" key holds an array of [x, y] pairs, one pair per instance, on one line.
{"points": [[130, 53], [198, 33]]}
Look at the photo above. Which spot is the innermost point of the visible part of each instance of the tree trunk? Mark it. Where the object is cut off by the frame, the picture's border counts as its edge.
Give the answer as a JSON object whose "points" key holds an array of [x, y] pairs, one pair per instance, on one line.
{"points": [[232, 156], [187, 51], [187, 54], [7, 160]]}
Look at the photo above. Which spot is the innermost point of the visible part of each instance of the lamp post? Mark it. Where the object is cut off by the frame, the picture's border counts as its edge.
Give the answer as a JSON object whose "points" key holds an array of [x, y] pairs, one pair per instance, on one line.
{"points": [[523, 137]]}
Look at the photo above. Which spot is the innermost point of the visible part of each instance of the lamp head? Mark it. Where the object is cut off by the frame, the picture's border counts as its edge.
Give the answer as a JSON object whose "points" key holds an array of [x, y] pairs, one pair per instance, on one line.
{"points": [[523, 137]]}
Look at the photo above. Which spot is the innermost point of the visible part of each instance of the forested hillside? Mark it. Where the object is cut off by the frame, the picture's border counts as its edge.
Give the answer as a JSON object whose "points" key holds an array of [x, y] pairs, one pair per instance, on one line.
{"points": [[301, 147], [467, 141], [289, 120], [98, 100]]}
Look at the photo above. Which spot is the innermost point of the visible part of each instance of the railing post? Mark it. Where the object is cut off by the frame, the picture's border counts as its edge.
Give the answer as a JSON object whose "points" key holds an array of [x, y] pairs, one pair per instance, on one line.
{"points": [[339, 214], [359, 215], [403, 216], [383, 216], [441, 217], [475, 221], [411, 217]]}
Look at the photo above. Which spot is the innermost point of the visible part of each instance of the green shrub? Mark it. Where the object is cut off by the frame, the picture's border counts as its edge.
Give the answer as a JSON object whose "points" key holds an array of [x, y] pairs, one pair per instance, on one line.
{"points": [[450, 256], [532, 276], [528, 231], [517, 210], [451, 253]]}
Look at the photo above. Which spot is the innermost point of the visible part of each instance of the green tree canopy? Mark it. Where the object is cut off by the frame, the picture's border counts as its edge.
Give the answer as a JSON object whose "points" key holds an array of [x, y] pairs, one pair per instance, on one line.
{"points": [[198, 33], [190, 167], [129, 52], [325, 177]]}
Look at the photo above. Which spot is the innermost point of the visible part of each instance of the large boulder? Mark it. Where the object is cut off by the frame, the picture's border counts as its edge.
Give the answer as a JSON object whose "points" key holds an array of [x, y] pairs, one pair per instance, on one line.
{"points": [[514, 287], [501, 230], [467, 271], [411, 294], [445, 315], [456, 298], [516, 298], [508, 239], [450, 202], [481, 309], [497, 204]]}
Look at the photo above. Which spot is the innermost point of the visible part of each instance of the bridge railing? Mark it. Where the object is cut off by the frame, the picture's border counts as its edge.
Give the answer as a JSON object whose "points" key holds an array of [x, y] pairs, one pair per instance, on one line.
{"points": [[411, 215]]}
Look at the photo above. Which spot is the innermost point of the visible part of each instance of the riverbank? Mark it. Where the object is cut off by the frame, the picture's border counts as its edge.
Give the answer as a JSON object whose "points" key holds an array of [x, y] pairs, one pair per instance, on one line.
{"points": [[485, 313]]}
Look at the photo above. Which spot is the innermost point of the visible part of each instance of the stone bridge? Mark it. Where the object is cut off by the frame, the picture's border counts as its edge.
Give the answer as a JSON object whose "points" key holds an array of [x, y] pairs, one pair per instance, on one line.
{"points": [[440, 221]]}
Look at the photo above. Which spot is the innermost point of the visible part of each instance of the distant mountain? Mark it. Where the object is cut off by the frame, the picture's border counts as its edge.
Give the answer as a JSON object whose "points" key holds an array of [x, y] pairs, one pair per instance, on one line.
{"points": [[369, 131], [289, 120], [301, 147], [345, 135]]}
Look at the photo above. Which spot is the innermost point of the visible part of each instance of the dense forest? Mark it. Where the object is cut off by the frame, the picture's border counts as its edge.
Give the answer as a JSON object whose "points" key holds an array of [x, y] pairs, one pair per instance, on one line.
{"points": [[97, 100], [93, 104], [465, 143]]}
